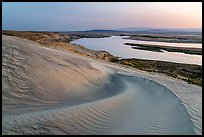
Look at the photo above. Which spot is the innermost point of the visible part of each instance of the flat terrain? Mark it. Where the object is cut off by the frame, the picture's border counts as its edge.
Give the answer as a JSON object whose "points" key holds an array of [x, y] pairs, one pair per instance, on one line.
{"points": [[158, 48], [175, 38], [190, 73], [49, 91]]}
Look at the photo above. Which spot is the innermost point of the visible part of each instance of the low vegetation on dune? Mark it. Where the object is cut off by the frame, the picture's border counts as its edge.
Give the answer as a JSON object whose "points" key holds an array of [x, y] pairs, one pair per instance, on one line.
{"points": [[41, 37], [61, 41], [190, 73]]}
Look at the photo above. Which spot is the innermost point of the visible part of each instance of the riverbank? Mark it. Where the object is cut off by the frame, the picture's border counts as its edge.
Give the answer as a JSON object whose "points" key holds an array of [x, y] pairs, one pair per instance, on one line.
{"points": [[189, 73], [61, 41]]}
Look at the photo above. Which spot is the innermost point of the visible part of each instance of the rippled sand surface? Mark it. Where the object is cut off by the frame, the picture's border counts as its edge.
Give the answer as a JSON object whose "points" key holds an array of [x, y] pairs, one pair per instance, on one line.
{"points": [[45, 91]]}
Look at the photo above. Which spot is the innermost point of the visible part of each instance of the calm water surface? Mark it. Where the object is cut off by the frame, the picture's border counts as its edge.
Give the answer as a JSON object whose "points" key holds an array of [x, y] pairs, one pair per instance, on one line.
{"points": [[115, 45]]}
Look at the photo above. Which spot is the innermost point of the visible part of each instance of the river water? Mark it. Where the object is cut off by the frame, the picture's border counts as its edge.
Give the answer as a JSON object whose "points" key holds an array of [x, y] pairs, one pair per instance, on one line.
{"points": [[115, 45]]}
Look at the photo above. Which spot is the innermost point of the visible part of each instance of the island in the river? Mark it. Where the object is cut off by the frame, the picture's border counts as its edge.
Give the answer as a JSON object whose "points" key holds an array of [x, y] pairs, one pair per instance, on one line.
{"points": [[159, 48]]}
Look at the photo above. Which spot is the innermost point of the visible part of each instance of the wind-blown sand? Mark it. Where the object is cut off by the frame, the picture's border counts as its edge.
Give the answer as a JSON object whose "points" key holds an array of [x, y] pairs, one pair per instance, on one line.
{"points": [[47, 91]]}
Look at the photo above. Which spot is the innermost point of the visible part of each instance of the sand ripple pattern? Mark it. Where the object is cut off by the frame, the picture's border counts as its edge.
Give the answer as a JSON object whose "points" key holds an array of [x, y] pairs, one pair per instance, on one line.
{"points": [[50, 92]]}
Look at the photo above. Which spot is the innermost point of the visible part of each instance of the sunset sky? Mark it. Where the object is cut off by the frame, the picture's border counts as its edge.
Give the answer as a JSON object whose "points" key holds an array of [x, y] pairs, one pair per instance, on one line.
{"points": [[72, 16]]}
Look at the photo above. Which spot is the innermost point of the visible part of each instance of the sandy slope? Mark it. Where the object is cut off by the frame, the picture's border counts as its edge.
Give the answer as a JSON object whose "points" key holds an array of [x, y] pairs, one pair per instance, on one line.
{"points": [[45, 91]]}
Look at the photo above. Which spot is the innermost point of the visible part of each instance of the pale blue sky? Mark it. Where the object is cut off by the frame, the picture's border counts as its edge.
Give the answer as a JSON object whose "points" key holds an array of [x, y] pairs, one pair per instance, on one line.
{"points": [[70, 16]]}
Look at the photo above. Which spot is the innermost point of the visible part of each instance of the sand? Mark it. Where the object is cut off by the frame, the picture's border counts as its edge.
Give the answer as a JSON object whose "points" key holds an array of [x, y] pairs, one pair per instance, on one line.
{"points": [[47, 91]]}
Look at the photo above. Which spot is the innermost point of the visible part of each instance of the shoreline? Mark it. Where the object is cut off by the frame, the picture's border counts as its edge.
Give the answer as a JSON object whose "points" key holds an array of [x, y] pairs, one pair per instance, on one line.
{"points": [[189, 73]]}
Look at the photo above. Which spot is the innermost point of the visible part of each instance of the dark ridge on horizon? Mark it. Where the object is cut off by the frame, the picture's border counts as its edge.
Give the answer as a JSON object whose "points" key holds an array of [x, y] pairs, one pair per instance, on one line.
{"points": [[142, 29], [126, 30]]}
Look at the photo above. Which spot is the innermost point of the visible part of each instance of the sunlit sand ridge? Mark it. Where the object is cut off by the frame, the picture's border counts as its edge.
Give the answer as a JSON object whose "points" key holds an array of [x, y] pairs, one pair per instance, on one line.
{"points": [[46, 91]]}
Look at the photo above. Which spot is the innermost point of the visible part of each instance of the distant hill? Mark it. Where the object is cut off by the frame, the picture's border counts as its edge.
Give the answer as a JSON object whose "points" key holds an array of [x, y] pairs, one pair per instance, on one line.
{"points": [[97, 31], [136, 29], [149, 29], [140, 30], [101, 30]]}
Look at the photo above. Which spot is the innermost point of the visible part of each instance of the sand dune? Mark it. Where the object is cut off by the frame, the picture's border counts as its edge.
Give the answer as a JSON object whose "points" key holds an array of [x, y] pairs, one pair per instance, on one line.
{"points": [[46, 91]]}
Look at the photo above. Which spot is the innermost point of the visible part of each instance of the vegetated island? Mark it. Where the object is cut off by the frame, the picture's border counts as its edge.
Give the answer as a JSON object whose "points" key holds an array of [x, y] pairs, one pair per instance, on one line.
{"points": [[190, 73], [169, 37], [158, 48]]}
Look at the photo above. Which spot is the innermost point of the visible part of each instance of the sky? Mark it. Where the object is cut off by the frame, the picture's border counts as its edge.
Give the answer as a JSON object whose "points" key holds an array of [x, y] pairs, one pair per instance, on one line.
{"points": [[76, 16]]}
